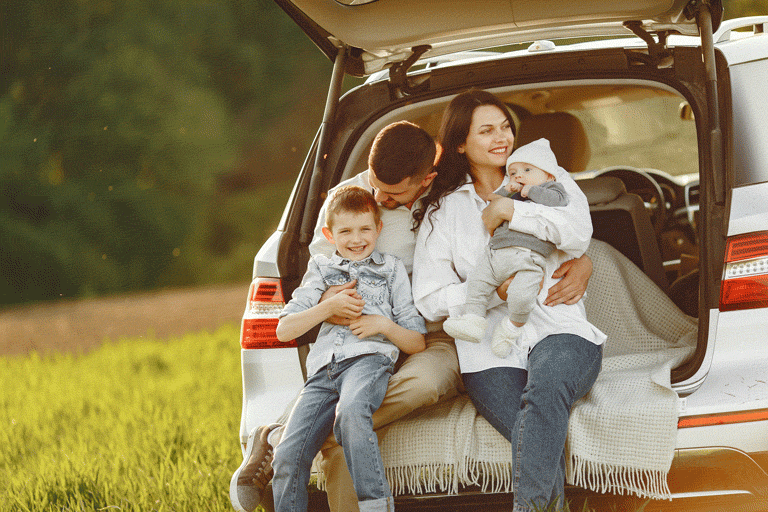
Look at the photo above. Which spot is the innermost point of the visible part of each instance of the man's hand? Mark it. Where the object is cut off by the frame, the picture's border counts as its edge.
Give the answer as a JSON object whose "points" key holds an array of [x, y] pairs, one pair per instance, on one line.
{"points": [[497, 211], [349, 305], [369, 325], [570, 289]]}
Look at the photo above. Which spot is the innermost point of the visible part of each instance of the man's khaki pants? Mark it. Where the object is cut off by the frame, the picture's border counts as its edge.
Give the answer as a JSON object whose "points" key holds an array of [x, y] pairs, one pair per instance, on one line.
{"points": [[423, 379]]}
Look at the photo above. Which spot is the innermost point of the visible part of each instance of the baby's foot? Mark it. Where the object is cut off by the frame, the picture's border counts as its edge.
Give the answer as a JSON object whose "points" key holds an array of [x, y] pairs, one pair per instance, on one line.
{"points": [[465, 327], [504, 337]]}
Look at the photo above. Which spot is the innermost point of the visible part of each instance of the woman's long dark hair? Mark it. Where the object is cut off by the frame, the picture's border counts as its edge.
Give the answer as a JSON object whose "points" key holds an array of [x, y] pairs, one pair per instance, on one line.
{"points": [[453, 167]]}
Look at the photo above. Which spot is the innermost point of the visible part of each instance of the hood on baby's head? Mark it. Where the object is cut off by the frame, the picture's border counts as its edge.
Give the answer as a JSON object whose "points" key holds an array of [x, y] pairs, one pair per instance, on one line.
{"points": [[540, 154]]}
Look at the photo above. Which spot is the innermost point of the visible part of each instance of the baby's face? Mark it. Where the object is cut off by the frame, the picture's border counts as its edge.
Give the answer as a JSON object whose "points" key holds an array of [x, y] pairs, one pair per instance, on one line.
{"points": [[527, 174]]}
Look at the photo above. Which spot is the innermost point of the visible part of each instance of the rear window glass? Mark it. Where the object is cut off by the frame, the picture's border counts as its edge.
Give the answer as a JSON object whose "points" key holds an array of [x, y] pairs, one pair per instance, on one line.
{"points": [[650, 133]]}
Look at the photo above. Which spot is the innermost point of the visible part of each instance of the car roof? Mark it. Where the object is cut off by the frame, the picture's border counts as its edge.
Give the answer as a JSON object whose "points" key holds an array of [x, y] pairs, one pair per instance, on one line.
{"points": [[382, 32]]}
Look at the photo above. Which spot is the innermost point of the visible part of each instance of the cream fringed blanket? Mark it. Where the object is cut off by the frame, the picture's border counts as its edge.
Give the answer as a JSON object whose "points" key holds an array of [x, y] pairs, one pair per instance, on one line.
{"points": [[621, 436]]}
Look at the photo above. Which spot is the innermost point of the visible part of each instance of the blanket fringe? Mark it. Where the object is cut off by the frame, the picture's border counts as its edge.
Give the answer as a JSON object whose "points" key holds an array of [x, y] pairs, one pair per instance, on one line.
{"points": [[419, 479], [430, 478], [492, 477], [607, 478], [497, 478]]}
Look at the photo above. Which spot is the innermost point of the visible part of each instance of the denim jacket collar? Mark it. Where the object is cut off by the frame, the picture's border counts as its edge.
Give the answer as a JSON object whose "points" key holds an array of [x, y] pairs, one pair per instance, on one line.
{"points": [[376, 257]]}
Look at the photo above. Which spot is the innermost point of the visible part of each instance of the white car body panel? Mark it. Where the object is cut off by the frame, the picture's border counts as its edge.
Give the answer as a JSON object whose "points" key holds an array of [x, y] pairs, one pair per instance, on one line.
{"points": [[749, 208], [271, 380]]}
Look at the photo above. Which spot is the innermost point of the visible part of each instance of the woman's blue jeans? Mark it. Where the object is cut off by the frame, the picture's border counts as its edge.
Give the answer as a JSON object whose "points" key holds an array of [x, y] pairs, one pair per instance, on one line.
{"points": [[531, 410], [341, 397]]}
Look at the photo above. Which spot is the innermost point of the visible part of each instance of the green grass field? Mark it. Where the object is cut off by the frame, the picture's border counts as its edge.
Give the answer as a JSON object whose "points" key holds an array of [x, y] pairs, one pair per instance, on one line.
{"points": [[137, 425]]}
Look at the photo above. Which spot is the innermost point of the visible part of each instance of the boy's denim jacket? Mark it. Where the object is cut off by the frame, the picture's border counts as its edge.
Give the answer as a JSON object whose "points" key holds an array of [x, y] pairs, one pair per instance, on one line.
{"points": [[382, 282]]}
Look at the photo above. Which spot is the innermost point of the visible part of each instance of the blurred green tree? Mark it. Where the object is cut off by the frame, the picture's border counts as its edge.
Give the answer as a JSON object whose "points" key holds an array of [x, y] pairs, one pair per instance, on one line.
{"points": [[124, 122], [740, 8]]}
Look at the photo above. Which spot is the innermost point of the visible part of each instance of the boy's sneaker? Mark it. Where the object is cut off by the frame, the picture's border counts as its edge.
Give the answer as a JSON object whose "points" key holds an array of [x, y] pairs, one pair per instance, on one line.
{"points": [[253, 475], [465, 327], [504, 337]]}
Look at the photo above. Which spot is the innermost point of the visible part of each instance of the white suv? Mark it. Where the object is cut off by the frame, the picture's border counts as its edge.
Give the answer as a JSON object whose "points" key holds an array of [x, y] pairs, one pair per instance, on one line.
{"points": [[659, 111]]}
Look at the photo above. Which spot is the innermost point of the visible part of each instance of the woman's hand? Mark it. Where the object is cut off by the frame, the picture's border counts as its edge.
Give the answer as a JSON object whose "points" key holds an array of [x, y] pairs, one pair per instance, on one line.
{"points": [[502, 288], [570, 289], [498, 210]]}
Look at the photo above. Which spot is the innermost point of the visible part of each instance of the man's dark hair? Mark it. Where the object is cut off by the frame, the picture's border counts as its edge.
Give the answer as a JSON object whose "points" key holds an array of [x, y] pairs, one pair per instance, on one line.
{"points": [[401, 150]]}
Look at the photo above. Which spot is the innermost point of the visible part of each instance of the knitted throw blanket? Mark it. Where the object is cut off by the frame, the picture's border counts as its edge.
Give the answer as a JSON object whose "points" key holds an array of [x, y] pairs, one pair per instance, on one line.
{"points": [[621, 436]]}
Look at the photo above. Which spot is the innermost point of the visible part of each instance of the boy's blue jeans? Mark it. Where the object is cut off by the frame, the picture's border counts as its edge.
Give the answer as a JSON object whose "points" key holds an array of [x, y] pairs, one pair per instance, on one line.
{"points": [[341, 397], [531, 410]]}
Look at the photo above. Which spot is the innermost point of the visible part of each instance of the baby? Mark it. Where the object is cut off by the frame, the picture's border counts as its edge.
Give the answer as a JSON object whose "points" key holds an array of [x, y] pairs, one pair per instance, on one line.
{"points": [[531, 169]]}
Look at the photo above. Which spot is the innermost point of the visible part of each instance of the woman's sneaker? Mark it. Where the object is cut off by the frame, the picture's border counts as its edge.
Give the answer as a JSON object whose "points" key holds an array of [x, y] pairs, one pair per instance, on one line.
{"points": [[465, 327], [248, 482]]}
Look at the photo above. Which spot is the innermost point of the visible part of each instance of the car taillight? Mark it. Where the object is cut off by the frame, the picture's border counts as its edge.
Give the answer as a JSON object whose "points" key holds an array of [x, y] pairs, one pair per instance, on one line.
{"points": [[265, 301], [745, 276]]}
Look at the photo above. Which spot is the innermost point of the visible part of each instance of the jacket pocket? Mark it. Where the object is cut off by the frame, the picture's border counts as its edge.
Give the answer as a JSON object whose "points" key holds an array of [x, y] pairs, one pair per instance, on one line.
{"points": [[372, 288]]}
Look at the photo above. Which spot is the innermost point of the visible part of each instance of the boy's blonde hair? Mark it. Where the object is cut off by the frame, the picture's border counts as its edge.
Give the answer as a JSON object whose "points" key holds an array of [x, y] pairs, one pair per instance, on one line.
{"points": [[353, 199]]}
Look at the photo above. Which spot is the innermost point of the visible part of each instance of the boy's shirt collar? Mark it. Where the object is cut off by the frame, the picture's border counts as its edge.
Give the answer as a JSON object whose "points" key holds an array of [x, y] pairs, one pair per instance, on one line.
{"points": [[376, 257]]}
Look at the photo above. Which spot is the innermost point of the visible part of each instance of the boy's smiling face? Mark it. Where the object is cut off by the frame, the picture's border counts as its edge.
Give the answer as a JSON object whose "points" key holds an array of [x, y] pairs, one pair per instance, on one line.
{"points": [[354, 234]]}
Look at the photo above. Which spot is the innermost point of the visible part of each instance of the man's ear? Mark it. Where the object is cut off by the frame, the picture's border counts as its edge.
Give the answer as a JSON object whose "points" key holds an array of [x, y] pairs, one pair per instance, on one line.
{"points": [[328, 234], [427, 181]]}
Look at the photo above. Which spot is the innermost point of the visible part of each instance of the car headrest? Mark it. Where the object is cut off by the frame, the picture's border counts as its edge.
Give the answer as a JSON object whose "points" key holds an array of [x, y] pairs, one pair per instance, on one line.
{"points": [[602, 189], [566, 136]]}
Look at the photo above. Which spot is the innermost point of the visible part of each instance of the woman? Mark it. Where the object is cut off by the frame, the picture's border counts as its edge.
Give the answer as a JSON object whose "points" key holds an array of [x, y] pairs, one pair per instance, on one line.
{"points": [[528, 407]]}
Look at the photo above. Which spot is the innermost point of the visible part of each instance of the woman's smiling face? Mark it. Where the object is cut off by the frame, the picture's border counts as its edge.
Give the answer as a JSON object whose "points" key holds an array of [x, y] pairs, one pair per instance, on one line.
{"points": [[490, 138]]}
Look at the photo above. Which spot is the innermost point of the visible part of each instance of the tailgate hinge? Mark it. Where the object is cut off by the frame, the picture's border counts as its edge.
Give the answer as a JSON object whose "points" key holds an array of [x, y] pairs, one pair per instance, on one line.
{"points": [[399, 84], [658, 52]]}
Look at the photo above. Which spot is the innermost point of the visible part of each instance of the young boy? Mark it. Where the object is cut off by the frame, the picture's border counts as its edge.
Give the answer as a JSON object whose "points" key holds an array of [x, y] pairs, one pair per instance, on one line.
{"points": [[532, 173], [349, 366]]}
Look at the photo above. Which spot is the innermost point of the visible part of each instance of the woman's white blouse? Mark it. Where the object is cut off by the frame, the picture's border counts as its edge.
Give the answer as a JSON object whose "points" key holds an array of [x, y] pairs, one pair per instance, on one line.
{"points": [[452, 238]]}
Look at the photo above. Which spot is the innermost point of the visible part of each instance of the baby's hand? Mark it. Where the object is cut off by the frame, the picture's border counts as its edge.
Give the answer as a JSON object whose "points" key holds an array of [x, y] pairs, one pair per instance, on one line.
{"points": [[513, 187], [525, 190]]}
